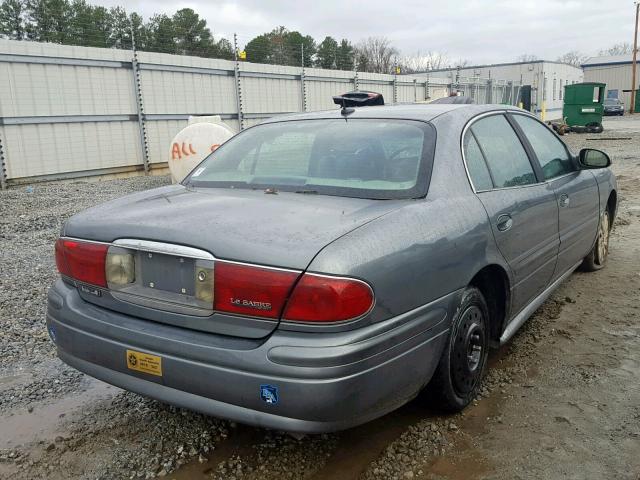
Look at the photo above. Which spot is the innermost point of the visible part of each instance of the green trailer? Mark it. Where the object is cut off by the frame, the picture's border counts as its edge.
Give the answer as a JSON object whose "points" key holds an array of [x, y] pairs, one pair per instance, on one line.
{"points": [[583, 106]]}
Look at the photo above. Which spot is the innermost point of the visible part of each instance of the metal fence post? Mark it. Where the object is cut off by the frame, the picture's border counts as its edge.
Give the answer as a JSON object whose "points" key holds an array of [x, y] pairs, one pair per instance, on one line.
{"points": [[395, 82], [303, 86], [489, 91], [415, 90], [426, 89], [355, 77], [238, 85], [3, 167], [137, 83]]}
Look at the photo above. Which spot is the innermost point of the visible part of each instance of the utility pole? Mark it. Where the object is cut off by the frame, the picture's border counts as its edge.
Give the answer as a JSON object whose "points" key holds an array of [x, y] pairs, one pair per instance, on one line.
{"points": [[633, 63]]}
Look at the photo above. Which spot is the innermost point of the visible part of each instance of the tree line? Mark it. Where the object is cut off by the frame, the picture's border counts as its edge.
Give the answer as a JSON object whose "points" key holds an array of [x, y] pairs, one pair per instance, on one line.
{"points": [[577, 58], [76, 22]]}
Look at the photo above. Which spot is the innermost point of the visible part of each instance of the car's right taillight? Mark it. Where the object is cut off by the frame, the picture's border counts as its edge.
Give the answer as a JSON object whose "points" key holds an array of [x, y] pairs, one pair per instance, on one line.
{"points": [[324, 299], [251, 290]]}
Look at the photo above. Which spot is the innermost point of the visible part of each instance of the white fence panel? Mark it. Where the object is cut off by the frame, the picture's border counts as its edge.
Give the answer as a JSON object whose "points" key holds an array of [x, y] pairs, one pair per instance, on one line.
{"points": [[54, 148], [71, 111]]}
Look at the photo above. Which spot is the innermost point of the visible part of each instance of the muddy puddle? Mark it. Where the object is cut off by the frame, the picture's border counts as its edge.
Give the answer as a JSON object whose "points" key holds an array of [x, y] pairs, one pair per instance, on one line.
{"points": [[45, 422]]}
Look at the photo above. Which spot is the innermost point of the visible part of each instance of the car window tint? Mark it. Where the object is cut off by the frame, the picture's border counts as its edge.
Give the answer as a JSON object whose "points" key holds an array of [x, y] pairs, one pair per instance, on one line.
{"points": [[361, 157], [286, 154], [505, 155], [475, 164], [551, 152]]}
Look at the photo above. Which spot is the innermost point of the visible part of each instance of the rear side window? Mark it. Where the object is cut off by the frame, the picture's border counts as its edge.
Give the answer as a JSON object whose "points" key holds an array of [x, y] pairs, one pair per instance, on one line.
{"points": [[476, 165], [550, 151], [506, 157]]}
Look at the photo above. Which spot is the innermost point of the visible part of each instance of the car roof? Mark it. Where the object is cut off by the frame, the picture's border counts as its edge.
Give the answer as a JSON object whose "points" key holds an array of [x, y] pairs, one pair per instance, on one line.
{"points": [[413, 111]]}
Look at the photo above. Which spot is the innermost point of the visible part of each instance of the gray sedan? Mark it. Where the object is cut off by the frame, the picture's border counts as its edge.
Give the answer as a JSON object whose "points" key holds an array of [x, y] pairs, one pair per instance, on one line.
{"points": [[320, 270]]}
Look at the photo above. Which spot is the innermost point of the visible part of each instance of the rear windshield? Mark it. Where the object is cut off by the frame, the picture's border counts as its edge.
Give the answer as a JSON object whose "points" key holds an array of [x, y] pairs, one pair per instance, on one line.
{"points": [[367, 158]]}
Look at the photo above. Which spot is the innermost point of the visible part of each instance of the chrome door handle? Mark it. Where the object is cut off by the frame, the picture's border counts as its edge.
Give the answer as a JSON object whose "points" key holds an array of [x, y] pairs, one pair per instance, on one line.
{"points": [[504, 222], [564, 200]]}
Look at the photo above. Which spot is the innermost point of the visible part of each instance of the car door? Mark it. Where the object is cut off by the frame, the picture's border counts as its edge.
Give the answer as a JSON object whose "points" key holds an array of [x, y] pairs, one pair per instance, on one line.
{"points": [[576, 191], [522, 210]]}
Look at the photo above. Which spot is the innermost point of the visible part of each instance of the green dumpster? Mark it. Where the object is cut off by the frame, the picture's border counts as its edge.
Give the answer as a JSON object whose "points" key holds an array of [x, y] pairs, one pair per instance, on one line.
{"points": [[636, 107], [583, 104]]}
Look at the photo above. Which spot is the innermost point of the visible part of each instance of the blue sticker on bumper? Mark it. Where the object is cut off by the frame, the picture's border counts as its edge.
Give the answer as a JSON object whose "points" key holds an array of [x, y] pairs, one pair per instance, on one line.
{"points": [[269, 394]]}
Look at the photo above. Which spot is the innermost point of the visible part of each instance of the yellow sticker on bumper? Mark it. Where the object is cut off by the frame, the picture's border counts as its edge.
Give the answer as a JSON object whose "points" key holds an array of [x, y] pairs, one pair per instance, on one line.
{"points": [[144, 362]]}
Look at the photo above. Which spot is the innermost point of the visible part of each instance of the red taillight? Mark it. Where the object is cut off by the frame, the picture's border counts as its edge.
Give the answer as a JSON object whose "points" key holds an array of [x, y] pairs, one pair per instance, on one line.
{"points": [[61, 263], [249, 290], [82, 261], [319, 298]]}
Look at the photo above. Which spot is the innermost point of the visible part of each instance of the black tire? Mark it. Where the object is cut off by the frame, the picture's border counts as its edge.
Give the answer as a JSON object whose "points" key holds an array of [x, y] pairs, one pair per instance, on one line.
{"points": [[579, 129], [597, 257], [458, 377]]}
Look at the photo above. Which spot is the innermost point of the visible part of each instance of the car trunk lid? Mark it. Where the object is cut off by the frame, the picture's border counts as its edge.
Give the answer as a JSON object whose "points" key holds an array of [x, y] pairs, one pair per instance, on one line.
{"points": [[175, 233]]}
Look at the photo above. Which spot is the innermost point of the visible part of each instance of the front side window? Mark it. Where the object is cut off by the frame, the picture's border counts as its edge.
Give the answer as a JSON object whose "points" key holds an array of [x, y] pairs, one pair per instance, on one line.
{"points": [[550, 151], [506, 157], [368, 158]]}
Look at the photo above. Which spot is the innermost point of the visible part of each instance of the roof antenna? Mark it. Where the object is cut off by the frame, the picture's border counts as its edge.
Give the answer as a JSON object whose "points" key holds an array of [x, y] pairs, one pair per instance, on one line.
{"points": [[346, 110]]}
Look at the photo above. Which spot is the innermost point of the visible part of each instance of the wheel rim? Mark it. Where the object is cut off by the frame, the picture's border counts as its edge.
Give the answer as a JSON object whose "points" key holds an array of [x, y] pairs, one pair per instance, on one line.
{"points": [[603, 239], [468, 350]]}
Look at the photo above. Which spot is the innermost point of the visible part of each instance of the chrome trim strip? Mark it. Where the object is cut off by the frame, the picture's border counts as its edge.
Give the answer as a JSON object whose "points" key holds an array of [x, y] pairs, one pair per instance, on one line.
{"points": [[527, 311], [257, 265], [154, 303], [73, 239], [166, 248]]}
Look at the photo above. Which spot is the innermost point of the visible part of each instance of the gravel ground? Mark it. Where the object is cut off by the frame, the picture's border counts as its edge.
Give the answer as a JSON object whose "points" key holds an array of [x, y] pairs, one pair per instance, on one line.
{"points": [[562, 400]]}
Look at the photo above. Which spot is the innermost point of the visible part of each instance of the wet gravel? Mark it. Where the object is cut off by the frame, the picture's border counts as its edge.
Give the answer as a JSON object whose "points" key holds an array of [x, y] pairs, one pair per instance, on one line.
{"points": [[54, 381], [144, 439], [30, 221]]}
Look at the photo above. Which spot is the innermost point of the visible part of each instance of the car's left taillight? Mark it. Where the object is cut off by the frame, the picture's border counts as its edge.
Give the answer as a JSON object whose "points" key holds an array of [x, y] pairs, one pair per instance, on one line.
{"points": [[82, 261]]}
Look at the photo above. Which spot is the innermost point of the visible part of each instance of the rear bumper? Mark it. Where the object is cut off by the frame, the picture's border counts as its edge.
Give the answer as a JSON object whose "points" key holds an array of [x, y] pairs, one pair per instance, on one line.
{"points": [[324, 382]]}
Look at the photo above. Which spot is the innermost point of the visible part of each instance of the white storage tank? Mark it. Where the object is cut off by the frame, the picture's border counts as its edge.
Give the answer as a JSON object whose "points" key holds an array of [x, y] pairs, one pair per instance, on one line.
{"points": [[194, 142]]}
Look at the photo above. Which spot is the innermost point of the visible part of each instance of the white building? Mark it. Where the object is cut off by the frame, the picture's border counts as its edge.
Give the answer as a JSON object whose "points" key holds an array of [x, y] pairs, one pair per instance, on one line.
{"points": [[615, 72], [545, 80]]}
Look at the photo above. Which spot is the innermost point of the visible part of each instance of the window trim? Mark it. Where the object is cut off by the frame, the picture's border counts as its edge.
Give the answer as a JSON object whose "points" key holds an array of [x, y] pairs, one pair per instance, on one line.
{"points": [[534, 166]]}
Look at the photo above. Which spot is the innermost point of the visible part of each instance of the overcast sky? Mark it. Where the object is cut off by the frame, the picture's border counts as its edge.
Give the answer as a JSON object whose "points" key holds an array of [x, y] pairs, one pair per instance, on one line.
{"points": [[480, 31]]}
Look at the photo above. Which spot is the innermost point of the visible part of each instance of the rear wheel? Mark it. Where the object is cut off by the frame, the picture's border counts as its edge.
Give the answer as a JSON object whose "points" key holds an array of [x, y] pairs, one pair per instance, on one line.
{"points": [[597, 257], [458, 376]]}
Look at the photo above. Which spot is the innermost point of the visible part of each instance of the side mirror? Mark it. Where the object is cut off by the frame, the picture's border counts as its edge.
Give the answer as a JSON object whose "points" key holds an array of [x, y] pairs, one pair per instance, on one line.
{"points": [[592, 158]]}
